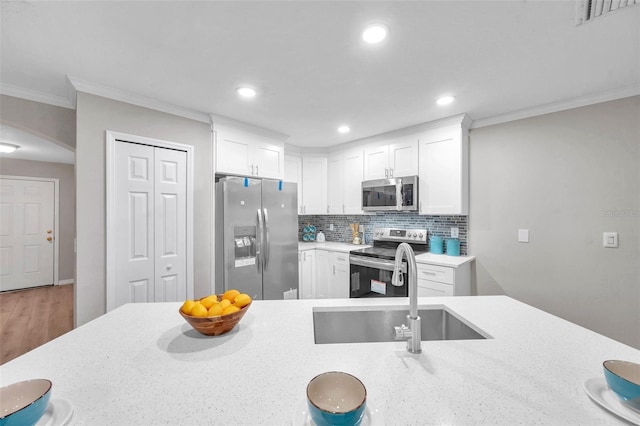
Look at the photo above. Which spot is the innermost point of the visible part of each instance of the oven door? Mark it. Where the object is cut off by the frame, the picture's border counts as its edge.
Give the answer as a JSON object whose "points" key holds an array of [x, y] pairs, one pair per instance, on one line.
{"points": [[371, 277]]}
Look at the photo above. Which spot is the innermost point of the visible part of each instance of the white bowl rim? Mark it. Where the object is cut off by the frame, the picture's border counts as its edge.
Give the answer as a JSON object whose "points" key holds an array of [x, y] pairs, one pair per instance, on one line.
{"points": [[604, 364], [50, 385], [364, 398]]}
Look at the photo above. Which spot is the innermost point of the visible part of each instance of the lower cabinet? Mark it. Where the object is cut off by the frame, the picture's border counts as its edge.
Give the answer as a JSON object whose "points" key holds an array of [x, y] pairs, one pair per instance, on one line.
{"points": [[323, 274], [435, 280], [307, 272], [338, 275]]}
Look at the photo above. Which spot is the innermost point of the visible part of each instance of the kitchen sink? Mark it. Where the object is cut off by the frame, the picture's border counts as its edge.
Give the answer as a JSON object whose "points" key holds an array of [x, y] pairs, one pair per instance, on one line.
{"points": [[376, 324]]}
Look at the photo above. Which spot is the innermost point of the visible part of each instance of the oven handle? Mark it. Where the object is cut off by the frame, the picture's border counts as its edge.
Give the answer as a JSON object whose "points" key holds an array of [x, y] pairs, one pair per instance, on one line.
{"points": [[385, 265]]}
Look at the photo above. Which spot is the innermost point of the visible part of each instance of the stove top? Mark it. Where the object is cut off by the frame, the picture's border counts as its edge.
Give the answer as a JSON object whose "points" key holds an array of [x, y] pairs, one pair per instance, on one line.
{"points": [[387, 240]]}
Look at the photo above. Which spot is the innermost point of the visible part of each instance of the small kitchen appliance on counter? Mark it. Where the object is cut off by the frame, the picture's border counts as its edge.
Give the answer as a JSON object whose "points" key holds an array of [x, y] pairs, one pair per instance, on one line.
{"points": [[371, 268]]}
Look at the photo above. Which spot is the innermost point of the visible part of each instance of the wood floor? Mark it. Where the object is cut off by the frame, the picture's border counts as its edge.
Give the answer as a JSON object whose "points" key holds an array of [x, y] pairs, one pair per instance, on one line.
{"points": [[30, 318]]}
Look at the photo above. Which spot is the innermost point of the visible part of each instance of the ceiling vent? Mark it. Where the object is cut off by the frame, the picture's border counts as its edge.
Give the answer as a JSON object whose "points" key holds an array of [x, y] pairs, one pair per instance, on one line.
{"points": [[588, 10]]}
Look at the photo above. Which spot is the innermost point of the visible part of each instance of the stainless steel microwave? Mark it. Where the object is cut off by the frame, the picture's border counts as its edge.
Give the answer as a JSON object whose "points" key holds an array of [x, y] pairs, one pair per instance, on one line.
{"points": [[396, 194]]}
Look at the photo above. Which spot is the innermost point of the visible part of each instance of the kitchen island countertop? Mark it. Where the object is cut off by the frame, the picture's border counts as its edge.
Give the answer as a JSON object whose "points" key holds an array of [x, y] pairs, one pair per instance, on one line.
{"points": [[143, 364]]}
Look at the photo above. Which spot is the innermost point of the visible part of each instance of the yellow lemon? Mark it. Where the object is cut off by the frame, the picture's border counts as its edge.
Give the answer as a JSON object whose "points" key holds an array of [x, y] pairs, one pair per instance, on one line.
{"points": [[187, 306], [230, 309], [215, 310], [225, 303], [230, 295], [199, 310], [209, 301], [242, 300]]}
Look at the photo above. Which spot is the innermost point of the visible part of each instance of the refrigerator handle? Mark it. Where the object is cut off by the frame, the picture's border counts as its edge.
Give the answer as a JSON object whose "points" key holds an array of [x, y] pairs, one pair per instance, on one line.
{"points": [[259, 241], [267, 243]]}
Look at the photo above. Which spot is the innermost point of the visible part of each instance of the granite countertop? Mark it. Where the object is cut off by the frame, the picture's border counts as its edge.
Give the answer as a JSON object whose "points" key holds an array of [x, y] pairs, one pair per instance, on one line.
{"points": [[427, 258], [330, 246], [143, 364]]}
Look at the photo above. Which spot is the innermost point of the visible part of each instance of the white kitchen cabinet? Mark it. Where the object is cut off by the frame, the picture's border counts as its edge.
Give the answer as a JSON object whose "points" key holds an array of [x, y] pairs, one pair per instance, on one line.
{"points": [[322, 275], [314, 185], [307, 272], [436, 280], [338, 285], [345, 172], [444, 171], [241, 152], [293, 173], [396, 159], [335, 182]]}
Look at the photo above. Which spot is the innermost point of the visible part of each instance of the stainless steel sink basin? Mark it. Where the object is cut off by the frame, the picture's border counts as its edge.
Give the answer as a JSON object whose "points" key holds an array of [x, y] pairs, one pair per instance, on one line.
{"points": [[375, 324]]}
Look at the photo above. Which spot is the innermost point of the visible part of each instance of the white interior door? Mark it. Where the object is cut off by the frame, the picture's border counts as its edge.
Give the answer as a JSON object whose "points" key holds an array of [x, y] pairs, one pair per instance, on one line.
{"points": [[170, 225], [150, 237], [26, 233]]}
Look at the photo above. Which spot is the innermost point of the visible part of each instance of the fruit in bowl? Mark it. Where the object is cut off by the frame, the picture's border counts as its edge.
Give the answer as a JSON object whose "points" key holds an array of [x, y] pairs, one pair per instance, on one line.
{"points": [[215, 314]]}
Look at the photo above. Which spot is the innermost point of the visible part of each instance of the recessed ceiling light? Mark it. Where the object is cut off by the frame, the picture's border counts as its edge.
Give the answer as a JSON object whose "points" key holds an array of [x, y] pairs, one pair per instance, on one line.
{"points": [[7, 148], [344, 129], [246, 92], [375, 33], [445, 100]]}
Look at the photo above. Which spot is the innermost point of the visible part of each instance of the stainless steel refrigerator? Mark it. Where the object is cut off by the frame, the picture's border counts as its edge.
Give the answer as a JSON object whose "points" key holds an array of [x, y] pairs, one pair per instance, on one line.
{"points": [[257, 237]]}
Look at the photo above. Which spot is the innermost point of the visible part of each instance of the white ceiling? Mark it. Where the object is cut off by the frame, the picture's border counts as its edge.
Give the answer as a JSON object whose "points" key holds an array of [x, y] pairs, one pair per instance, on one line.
{"points": [[309, 65]]}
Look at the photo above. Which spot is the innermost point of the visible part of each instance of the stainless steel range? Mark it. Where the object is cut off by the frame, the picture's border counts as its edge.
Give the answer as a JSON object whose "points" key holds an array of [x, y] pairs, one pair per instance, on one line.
{"points": [[372, 268]]}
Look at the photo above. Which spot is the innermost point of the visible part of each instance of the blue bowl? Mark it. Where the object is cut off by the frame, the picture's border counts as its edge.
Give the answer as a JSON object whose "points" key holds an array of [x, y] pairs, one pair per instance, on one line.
{"points": [[23, 403], [623, 378], [336, 398]]}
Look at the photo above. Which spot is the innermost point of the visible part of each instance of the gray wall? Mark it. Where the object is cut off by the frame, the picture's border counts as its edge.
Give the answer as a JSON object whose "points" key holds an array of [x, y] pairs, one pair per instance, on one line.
{"points": [[567, 177], [64, 172], [96, 115], [50, 122]]}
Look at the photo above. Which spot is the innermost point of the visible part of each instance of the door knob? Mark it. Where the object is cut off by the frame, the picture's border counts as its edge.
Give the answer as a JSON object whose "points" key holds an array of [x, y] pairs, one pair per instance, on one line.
{"points": [[169, 266], [49, 238], [49, 231]]}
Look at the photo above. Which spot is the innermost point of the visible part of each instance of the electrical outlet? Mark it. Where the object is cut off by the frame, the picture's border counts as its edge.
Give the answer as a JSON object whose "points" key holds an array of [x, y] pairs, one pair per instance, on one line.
{"points": [[331, 227], [454, 232]]}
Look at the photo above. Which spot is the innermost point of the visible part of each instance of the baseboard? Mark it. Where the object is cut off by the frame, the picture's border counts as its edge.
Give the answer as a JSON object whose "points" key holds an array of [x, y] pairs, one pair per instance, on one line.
{"points": [[62, 282]]}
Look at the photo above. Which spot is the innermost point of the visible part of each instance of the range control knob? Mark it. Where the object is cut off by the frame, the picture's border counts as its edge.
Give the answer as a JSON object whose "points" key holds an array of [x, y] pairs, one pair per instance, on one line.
{"points": [[420, 235]]}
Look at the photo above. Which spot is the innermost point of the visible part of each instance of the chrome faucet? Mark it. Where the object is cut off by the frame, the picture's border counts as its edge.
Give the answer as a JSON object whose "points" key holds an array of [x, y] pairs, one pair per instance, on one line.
{"points": [[412, 333]]}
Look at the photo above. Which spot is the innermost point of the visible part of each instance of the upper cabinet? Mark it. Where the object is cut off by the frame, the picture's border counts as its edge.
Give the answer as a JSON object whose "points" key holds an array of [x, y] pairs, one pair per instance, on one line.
{"points": [[444, 170], [245, 153], [293, 173], [396, 159], [345, 171], [314, 185]]}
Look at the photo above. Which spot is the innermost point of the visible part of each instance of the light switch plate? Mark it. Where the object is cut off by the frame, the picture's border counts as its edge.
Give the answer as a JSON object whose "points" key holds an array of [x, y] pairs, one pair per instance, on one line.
{"points": [[454, 232], [610, 239], [523, 235], [331, 227]]}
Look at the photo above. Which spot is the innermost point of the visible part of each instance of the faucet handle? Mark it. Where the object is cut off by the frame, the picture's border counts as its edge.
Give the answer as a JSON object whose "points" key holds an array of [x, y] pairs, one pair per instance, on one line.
{"points": [[402, 332]]}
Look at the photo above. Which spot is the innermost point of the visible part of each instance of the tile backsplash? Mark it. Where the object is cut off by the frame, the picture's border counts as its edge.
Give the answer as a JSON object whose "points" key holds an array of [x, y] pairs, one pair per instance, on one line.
{"points": [[435, 225]]}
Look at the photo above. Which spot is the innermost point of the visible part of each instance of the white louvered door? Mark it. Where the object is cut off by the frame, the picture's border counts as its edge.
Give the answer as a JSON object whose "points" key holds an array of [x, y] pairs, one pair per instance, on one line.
{"points": [[150, 208]]}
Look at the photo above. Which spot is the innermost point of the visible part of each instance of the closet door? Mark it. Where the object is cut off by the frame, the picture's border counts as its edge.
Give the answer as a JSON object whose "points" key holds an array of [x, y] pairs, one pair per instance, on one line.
{"points": [[170, 225], [150, 238]]}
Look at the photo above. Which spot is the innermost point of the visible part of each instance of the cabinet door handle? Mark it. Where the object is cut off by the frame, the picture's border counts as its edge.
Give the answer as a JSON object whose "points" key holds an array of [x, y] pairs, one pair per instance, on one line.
{"points": [[429, 273], [257, 172], [252, 174], [343, 209], [386, 172], [390, 172], [327, 209], [334, 269]]}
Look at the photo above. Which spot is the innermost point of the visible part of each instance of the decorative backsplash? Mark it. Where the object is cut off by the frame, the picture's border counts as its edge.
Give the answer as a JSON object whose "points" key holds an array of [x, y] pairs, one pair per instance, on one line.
{"points": [[435, 225]]}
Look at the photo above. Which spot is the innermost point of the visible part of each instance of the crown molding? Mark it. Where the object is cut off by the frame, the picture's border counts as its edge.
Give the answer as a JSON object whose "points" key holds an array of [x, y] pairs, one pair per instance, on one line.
{"points": [[221, 119], [133, 99], [36, 96], [591, 99]]}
